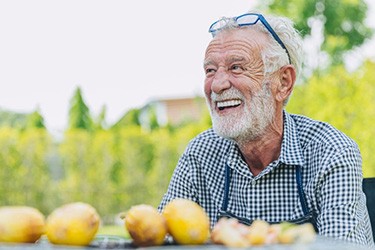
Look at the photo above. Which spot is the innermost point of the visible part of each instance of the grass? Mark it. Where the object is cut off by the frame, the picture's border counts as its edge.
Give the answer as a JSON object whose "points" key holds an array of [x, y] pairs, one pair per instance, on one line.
{"points": [[116, 230]]}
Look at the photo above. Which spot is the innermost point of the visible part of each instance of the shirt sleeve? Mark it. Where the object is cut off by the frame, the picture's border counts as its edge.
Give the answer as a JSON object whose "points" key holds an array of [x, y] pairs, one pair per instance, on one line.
{"points": [[343, 213], [181, 184]]}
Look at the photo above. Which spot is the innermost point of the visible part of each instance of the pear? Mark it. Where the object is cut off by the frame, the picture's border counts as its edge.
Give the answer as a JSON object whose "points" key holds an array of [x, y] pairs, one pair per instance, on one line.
{"points": [[145, 225], [72, 224], [187, 222], [21, 224]]}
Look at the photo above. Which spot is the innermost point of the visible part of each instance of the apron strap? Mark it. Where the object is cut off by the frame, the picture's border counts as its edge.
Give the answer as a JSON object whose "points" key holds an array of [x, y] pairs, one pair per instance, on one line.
{"points": [[301, 193], [224, 206], [311, 215]]}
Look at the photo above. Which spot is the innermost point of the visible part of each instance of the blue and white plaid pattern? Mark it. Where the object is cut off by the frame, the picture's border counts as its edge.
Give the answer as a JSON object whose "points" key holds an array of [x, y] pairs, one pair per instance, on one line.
{"points": [[331, 167]]}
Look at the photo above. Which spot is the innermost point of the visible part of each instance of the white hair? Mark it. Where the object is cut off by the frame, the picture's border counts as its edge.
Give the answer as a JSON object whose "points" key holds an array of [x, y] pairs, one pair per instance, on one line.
{"points": [[274, 56]]}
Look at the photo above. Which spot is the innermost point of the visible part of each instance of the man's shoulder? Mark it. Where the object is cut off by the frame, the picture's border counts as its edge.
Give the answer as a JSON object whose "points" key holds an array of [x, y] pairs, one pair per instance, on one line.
{"points": [[314, 131]]}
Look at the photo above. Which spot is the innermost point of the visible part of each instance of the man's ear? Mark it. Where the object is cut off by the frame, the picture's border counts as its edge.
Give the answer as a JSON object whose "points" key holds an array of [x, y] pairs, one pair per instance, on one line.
{"points": [[287, 79]]}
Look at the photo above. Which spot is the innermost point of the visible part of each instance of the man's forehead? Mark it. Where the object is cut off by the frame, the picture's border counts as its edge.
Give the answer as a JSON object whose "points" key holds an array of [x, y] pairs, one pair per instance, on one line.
{"points": [[246, 34], [236, 44]]}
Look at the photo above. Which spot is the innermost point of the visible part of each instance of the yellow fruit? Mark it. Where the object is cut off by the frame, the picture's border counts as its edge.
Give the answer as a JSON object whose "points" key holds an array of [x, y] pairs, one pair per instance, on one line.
{"points": [[145, 225], [258, 232], [273, 233], [21, 224], [230, 233], [288, 233], [72, 224], [187, 222], [306, 233]]}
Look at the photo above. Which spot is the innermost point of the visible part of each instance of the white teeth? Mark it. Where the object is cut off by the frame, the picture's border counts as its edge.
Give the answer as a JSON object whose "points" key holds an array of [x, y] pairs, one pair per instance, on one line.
{"points": [[230, 103]]}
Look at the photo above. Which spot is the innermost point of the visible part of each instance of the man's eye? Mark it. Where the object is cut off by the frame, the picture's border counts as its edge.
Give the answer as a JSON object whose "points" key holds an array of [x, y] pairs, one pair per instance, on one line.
{"points": [[210, 71], [236, 68]]}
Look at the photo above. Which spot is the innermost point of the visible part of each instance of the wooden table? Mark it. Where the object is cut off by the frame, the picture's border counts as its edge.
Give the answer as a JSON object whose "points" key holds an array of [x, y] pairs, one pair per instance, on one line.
{"points": [[110, 242]]}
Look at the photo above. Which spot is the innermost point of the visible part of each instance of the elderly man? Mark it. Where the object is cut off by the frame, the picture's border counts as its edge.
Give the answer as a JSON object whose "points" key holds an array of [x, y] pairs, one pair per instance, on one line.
{"points": [[258, 161]]}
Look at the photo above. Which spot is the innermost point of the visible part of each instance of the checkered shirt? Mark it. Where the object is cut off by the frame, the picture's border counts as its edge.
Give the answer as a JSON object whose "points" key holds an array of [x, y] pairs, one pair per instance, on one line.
{"points": [[331, 175]]}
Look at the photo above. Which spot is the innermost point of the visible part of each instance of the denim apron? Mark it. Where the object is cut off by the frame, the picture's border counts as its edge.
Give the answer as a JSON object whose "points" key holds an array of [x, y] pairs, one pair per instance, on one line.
{"points": [[308, 216]]}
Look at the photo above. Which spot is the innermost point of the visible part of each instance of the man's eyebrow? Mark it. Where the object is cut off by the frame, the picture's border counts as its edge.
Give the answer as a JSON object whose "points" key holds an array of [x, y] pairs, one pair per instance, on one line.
{"points": [[207, 62], [236, 59], [230, 60]]}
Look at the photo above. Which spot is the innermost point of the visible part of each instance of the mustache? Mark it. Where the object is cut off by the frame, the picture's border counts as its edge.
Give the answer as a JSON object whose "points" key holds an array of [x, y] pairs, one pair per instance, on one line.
{"points": [[231, 93]]}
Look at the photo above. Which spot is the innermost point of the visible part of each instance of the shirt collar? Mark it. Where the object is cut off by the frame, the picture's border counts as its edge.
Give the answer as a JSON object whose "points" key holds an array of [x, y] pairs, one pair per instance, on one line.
{"points": [[291, 151]]}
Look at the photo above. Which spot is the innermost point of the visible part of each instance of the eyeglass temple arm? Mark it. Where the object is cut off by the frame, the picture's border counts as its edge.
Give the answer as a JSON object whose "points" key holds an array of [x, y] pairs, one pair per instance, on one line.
{"points": [[274, 35]]}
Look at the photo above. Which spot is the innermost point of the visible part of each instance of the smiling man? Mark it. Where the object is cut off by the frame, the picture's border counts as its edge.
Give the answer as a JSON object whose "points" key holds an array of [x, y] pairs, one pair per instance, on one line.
{"points": [[258, 161]]}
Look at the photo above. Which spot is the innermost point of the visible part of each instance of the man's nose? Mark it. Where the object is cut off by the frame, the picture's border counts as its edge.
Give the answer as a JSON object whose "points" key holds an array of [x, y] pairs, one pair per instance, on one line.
{"points": [[221, 81]]}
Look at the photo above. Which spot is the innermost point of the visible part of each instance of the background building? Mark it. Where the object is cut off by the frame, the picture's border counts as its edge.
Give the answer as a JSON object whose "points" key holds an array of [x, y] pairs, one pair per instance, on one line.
{"points": [[173, 111]]}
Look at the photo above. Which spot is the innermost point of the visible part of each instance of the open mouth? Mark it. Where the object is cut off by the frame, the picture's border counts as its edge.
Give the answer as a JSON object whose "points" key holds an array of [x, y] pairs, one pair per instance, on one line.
{"points": [[221, 105]]}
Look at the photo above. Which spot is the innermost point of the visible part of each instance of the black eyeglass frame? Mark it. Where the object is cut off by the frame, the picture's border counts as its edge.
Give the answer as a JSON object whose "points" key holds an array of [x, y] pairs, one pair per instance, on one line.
{"points": [[260, 18]]}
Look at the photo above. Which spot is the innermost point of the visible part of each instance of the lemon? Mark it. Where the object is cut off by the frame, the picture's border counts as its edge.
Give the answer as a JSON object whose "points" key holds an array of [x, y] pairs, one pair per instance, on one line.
{"points": [[145, 225], [258, 232], [187, 222], [72, 224], [21, 224]]}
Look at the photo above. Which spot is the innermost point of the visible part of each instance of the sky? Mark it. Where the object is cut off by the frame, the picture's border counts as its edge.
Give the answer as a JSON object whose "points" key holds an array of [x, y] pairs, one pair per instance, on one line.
{"points": [[122, 54]]}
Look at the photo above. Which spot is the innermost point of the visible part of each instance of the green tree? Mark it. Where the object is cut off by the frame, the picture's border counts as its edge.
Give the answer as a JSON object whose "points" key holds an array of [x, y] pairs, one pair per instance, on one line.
{"points": [[167, 153], [79, 113], [33, 176], [342, 21], [100, 122], [35, 120], [24, 172], [76, 157], [131, 118], [148, 117], [165, 159], [101, 159], [10, 161], [12, 119], [134, 159]]}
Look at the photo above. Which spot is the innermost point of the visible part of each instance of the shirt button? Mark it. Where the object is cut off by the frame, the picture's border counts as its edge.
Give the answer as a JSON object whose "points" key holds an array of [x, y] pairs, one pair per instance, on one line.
{"points": [[253, 182]]}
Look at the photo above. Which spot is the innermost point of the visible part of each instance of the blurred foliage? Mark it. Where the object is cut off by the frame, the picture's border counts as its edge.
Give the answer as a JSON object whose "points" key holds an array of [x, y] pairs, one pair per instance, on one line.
{"points": [[79, 113], [343, 22], [35, 120], [345, 100], [115, 167], [112, 169], [25, 174], [130, 118], [116, 230], [99, 122], [11, 119], [118, 167]]}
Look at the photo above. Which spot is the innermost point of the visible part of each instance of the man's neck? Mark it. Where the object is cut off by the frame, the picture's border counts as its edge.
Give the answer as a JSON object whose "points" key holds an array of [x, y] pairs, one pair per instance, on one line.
{"points": [[258, 154]]}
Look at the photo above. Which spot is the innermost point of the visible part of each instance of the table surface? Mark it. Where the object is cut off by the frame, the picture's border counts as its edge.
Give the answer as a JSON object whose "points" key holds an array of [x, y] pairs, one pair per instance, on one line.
{"points": [[110, 242]]}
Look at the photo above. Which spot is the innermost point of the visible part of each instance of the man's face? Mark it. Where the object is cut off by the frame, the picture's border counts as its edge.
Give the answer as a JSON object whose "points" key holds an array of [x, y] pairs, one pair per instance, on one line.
{"points": [[240, 99]]}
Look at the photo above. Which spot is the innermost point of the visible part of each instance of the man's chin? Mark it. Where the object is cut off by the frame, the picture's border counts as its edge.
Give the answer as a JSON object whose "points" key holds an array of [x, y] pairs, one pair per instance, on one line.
{"points": [[227, 133]]}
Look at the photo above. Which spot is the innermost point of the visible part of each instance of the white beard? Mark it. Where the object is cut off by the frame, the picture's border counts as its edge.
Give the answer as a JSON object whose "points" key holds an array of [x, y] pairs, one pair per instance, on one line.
{"points": [[249, 124]]}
